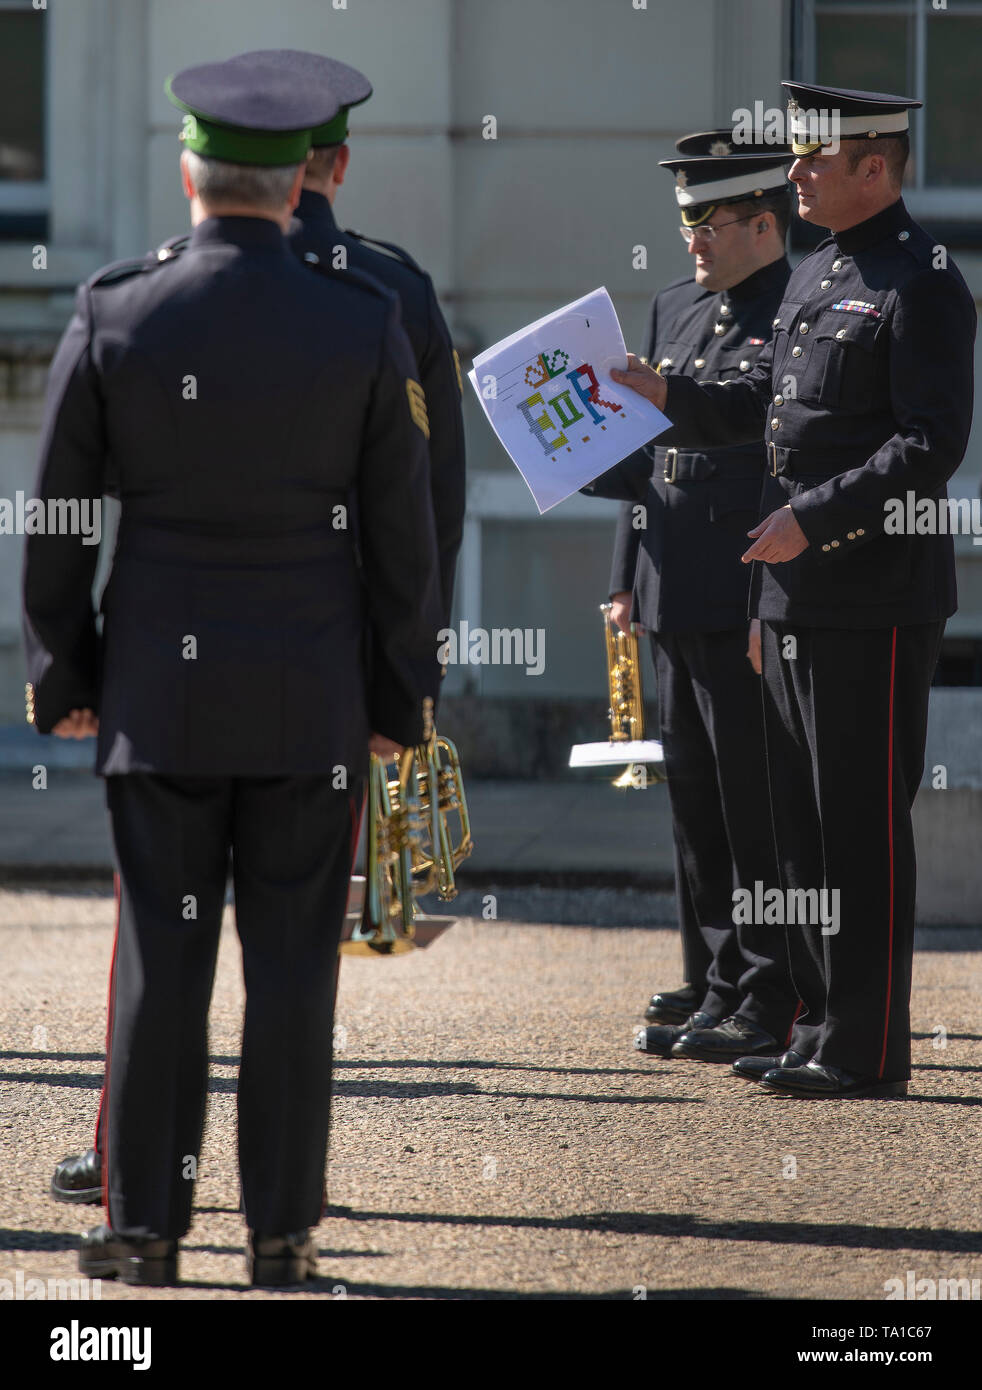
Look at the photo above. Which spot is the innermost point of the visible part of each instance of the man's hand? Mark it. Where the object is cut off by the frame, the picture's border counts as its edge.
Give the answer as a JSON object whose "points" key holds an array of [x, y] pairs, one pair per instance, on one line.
{"points": [[384, 747], [779, 538], [80, 723], [620, 611], [643, 379], [753, 644]]}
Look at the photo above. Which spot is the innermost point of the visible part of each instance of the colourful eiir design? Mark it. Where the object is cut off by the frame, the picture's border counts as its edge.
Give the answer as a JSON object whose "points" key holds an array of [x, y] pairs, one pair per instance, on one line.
{"points": [[560, 412]]}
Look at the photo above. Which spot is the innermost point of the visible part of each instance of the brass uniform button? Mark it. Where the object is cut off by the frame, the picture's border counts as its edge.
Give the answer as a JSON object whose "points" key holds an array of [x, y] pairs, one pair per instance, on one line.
{"points": [[796, 351], [778, 400], [802, 328], [699, 362], [852, 535], [775, 423], [744, 365], [825, 284], [860, 531], [836, 265], [826, 547], [775, 322], [841, 333], [665, 362], [720, 329], [835, 545], [902, 236]]}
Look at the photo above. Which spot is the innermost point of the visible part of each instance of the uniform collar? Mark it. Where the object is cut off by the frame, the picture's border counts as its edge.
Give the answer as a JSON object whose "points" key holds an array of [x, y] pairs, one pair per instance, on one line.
{"points": [[768, 277], [887, 222], [315, 207], [249, 233]]}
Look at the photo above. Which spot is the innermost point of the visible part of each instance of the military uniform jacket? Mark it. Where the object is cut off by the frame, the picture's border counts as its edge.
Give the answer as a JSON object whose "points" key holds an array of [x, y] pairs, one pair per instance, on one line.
{"points": [[863, 395], [235, 397], [684, 564], [438, 369]]}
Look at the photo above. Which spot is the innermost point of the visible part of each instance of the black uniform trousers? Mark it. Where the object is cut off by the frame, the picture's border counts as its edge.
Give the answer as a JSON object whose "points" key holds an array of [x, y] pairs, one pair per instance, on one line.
{"points": [[292, 840], [712, 731], [696, 956], [846, 726]]}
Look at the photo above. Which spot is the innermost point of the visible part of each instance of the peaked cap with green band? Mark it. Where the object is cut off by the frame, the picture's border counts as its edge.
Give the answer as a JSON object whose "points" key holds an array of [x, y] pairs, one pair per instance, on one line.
{"points": [[250, 110], [345, 84]]}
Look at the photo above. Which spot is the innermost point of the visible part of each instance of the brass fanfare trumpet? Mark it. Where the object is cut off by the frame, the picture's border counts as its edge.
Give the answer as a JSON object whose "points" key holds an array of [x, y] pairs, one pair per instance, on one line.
{"points": [[626, 715], [624, 684], [411, 847]]}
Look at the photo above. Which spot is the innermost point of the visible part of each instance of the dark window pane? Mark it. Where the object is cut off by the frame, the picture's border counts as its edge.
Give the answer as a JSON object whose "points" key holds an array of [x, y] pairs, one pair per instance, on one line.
{"points": [[873, 53], [33, 226], [22, 95], [951, 108]]}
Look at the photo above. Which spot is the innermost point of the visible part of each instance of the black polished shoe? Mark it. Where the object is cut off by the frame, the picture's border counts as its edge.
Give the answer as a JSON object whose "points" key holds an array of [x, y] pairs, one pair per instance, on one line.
{"points": [[734, 1037], [673, 1006], [78, 1178], [147, 1260], [818, 1082], [658, 1040], [753, 1068], [274, 1261]]}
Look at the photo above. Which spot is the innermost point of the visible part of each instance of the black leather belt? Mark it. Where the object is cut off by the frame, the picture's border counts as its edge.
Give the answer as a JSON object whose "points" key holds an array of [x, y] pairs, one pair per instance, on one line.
{"points": [[186, 545], [686, 465], [682, 466], [812, 463]]}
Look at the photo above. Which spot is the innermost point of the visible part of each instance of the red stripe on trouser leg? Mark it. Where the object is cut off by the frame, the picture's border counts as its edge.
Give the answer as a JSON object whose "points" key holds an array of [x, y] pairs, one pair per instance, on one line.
{"points": [[797, 1014], [886, 1013], [110, 1012], [356, 819]]}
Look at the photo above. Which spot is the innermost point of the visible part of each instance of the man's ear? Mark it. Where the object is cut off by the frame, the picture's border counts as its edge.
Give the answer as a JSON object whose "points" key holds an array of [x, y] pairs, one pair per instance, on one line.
{"points": [[186, 183], [341, 164], [297, 186], [877, 168]]}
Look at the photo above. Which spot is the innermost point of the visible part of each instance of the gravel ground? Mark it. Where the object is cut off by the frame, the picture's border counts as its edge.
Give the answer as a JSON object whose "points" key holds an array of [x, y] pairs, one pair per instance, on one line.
{"points": [[496, 1136]]}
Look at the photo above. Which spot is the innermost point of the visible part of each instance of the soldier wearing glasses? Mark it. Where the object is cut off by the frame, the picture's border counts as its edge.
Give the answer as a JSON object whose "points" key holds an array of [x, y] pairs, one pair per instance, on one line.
{"points": [[864, 395], [679, 541]]}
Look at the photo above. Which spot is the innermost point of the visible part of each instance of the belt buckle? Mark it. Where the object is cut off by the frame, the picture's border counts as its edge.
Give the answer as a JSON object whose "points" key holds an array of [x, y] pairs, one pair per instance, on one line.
{"points": [[674, 455], [772, 450]]}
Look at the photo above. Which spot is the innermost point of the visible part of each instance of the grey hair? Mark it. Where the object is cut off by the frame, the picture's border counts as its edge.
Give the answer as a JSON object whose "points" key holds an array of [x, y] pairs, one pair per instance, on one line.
{"points": [[218, 182]]}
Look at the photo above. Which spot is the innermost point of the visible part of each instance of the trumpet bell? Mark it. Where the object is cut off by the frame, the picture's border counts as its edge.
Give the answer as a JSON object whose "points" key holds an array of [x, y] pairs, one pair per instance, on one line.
{"points": [[418, 833], [426, 929]]}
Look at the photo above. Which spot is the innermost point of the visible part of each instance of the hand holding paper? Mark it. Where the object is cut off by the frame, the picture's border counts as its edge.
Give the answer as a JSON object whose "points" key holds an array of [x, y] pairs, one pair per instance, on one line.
{"points": [[642, 379], [548, 393]]}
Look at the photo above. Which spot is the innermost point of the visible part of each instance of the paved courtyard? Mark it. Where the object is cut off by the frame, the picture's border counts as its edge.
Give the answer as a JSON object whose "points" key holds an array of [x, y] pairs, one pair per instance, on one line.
{"points": [[496, 1135]]}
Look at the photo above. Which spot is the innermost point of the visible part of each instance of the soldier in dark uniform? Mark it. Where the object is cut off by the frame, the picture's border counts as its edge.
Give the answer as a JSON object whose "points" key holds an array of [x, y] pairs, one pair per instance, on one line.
{"points": [[690, 592], [864, 395], [315, 233], [238, 397]]}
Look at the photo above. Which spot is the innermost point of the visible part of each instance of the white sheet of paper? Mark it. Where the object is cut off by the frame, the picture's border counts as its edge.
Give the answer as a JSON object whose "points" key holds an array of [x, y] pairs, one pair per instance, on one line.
{"points": [[639, 750], [548, 395]]}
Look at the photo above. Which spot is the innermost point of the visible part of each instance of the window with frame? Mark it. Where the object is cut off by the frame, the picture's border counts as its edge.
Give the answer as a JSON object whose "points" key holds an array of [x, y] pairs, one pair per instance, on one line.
{"points": [[927, 49], [24, 192]]}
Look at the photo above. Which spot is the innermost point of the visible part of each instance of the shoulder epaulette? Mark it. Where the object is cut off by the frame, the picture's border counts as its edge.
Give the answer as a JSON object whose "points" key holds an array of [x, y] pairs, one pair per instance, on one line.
{"points": [[677, 284], [117, 271], [389, 246], [358, 278], [124, 270], [167, 250]]}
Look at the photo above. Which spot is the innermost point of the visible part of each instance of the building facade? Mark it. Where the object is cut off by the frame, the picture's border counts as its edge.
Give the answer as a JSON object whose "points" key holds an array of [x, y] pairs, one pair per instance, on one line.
{"points": [[513, 149]]}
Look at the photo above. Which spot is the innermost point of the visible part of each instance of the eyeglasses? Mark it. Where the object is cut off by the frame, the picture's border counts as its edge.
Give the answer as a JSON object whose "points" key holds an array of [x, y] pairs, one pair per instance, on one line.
{"points": [[689, 234]]}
